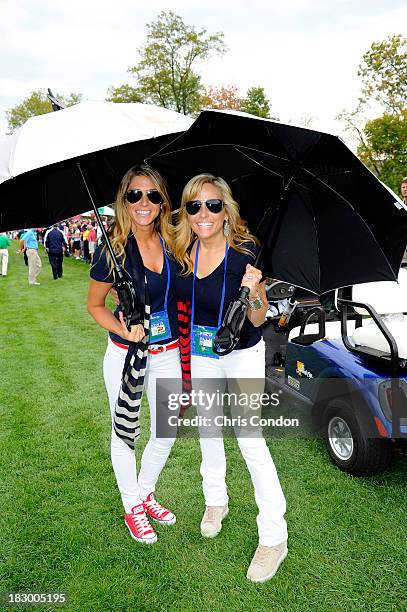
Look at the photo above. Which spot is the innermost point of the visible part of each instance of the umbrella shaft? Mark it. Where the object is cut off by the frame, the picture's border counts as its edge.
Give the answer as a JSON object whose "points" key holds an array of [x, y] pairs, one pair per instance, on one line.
{"points": [[100, 222]]}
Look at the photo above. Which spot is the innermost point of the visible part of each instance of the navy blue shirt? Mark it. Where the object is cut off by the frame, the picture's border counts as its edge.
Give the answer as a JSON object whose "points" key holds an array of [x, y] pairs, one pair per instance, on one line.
{"points": [[55, 240], [156, 283], [208, 293]]}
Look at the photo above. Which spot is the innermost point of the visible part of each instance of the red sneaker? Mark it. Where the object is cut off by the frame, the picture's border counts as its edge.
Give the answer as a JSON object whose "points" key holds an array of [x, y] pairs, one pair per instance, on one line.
{"points": [[138, 525], [157, 511]]}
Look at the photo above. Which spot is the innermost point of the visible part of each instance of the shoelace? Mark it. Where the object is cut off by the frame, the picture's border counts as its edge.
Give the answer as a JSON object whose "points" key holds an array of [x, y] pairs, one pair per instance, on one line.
{"points": [[141, 523], [154, 506], [261, 555], [211, 513]]}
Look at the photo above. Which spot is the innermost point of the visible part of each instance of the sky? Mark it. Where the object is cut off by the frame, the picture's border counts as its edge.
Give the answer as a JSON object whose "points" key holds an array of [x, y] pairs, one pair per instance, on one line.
{"points": [[305, 53]]}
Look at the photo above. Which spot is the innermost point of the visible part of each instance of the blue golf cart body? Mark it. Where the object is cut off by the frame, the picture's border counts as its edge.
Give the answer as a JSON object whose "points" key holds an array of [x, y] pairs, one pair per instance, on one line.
{"points": [[354, 397]]}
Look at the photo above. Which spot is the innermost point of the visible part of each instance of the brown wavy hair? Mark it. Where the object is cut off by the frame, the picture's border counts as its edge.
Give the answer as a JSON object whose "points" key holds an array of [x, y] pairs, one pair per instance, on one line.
{"points": [[239, 237], [121, 228]]}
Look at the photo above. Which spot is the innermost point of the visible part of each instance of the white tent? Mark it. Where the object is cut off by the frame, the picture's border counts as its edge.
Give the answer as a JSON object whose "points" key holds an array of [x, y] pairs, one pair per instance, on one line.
{"points": [[103, 210]]}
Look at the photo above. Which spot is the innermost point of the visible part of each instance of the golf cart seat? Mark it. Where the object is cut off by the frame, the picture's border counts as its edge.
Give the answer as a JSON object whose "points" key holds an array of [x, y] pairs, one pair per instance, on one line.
{"points": [[389, 299], [332, 327], [332, 330]]}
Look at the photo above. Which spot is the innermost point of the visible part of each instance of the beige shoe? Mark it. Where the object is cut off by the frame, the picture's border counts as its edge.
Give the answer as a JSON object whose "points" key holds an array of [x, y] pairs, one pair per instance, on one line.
{"points": [[211, 523], [266, 561]]}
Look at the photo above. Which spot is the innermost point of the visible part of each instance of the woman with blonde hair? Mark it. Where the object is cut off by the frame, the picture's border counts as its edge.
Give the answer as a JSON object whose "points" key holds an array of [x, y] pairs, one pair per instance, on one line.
{"points": [[215, 251], [140, 237]]}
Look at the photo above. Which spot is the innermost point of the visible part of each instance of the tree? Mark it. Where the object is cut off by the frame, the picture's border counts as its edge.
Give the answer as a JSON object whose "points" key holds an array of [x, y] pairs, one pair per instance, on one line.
{"points": [[384, 148], [123, 93], [165, 74], [384, 73], [353, 122], [256, 102], [381, 141], [36, 103], [221, 98]]}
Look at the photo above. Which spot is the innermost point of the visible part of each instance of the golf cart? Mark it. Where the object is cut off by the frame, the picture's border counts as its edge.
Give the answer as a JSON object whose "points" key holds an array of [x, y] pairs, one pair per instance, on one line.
{"points": [[345, 362]]}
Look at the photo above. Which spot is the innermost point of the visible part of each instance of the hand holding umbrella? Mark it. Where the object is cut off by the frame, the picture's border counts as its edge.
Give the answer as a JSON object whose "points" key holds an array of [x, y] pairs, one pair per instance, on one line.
{"points": [[249, 298], [251, 281], [134, 334]]}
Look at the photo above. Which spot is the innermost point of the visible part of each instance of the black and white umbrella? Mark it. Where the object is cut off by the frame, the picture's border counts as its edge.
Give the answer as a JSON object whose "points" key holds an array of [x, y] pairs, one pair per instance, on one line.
{"points": [[58, 164], [39, 179]]}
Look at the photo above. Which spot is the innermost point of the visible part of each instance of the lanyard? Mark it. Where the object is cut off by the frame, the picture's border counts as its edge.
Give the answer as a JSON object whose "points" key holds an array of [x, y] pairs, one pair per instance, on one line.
{"points": [[168, 274], [223, 286]]}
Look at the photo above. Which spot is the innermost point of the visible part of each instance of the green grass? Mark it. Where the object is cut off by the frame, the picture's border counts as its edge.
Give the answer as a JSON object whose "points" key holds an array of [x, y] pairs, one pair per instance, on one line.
{"points": [[61, 524]]}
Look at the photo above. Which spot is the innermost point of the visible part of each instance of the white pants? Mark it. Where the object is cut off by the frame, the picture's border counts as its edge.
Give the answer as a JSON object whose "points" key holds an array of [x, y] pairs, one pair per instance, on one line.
{"points": [[4, 261], [34, 265], [246, 363], [162, 365]]}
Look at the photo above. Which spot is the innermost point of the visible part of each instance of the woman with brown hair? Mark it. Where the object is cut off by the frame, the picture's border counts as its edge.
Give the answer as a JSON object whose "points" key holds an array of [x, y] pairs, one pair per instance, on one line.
{"points": [[215, 251], [140, 237]]}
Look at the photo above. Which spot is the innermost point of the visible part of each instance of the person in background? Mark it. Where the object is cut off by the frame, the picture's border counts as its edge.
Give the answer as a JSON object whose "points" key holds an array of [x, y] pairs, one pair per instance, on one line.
{"points": [[55, 245], [70, 237], [34, 261], [99, 233], [85, 238], [65, 228], [76, 233], [92, 239], [403, 189], [4, 245], [21, 245]]}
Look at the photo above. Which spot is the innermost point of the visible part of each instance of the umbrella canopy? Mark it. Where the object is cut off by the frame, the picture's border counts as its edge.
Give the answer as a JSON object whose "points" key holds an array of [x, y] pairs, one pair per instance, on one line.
{"points": [[107, 211], [324, 219], [39, 179]]}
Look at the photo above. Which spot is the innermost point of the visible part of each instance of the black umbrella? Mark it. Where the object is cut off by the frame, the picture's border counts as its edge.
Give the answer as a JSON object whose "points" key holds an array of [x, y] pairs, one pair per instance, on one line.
{"points": [[324, 220]]}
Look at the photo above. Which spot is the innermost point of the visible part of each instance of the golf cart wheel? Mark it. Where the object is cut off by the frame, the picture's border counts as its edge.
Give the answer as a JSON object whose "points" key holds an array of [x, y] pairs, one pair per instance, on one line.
{"points": [[348, 444]]}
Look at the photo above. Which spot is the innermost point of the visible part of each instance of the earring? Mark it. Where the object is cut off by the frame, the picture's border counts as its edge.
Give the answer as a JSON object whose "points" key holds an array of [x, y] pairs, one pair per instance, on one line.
{"points": [[226, 228]]}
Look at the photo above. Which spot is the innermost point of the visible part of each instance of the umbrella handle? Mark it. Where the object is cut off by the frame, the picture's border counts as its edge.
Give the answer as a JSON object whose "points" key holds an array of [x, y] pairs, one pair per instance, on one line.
{"points": [[226, 338], [129, 302]]}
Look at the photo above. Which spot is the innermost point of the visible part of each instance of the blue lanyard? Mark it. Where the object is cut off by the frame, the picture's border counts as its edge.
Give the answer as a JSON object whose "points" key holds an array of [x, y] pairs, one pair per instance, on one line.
{"points": [[167, 263], [223, 286]]}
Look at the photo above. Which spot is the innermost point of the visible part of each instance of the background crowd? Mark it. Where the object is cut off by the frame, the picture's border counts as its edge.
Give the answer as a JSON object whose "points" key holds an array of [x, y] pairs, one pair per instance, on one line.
{"points": [[76, 238]]}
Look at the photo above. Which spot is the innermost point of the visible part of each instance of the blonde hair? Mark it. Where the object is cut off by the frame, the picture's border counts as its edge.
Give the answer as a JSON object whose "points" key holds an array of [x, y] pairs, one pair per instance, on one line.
{"points": [[122, 226], [239, 236]]}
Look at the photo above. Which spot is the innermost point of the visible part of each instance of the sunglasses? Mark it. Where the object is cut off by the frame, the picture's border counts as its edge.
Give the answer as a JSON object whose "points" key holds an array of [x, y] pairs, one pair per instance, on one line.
{"points": [[214, 206], [134, 195]]}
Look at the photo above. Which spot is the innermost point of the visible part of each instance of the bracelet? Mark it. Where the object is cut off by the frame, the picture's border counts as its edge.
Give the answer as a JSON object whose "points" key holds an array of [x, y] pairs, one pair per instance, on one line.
{"points": [[257, 303]]}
